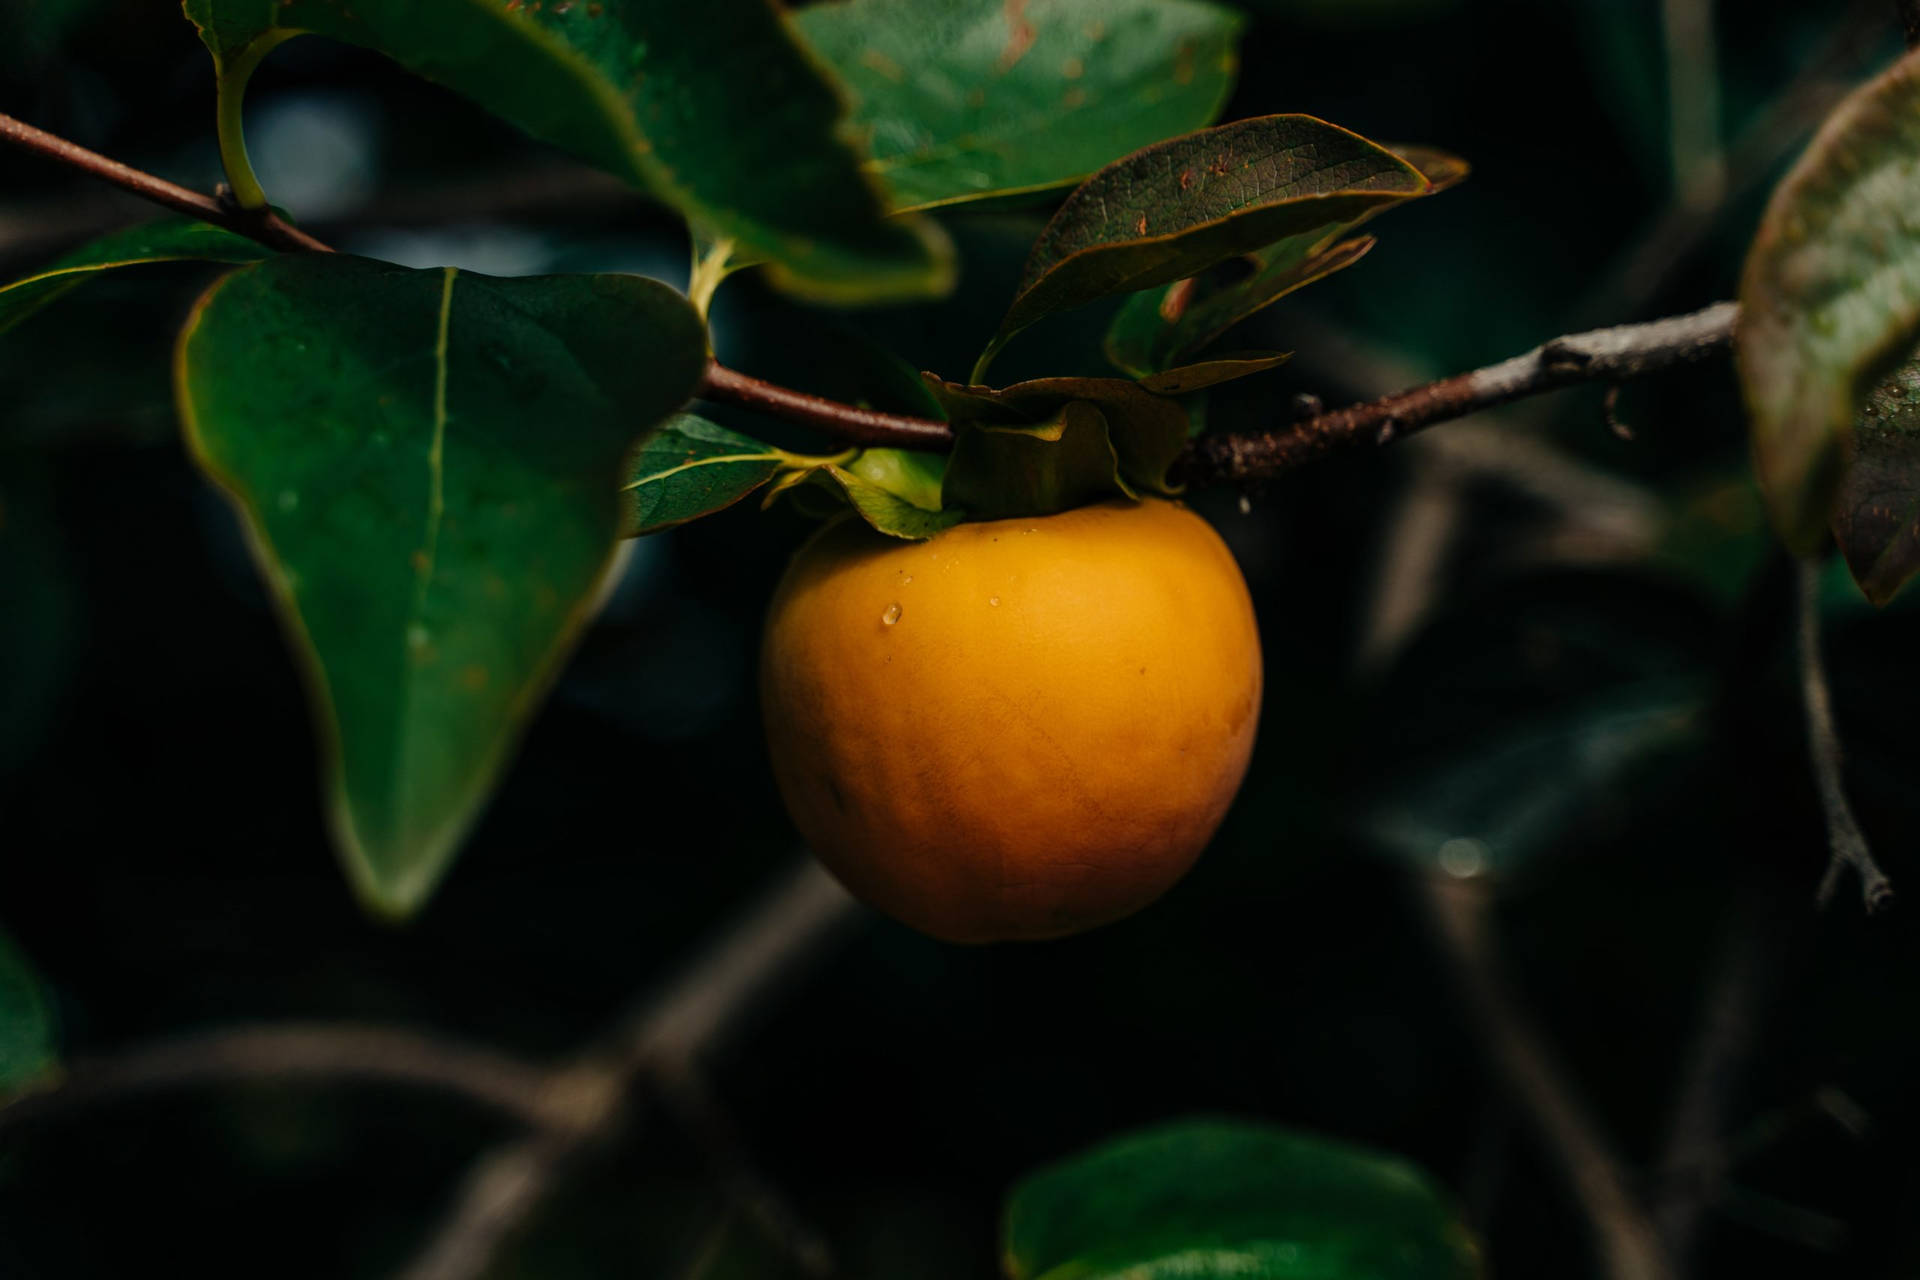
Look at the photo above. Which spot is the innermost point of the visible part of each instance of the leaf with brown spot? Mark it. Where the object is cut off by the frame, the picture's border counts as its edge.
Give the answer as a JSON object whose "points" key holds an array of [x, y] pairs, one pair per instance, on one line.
{"points": [[972, 99], [1133, 225]]}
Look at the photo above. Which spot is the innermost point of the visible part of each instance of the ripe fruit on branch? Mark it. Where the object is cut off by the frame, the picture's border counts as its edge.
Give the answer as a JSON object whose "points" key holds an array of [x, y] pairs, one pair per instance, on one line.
{"points": [[1017, 728]]}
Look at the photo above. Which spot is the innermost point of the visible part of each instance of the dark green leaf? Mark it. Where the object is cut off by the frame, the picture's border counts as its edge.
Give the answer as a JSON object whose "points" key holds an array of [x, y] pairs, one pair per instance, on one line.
{"points": [[714, 108], [26, 1022], [1159, 327], [1215, 1199], [1000, 472], [429, 464], [690, 468], [1830, 296], [1211, 373], [171, 240], [965, 99], [1174, 209], [1146, 430], [1877, 522], [1496, 803]]}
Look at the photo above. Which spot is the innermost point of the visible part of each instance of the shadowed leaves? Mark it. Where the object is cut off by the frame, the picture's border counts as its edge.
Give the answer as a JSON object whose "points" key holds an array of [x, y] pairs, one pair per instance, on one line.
{"points": [[169, 240]]}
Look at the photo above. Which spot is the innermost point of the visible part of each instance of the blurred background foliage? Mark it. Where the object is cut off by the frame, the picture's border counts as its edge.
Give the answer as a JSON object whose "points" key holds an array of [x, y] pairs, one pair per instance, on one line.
{"points": [[1595, 706]]}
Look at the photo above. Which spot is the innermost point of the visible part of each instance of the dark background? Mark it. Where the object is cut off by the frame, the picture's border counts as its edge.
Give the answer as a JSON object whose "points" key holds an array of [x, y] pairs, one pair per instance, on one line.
{"points": [[162, 859]]}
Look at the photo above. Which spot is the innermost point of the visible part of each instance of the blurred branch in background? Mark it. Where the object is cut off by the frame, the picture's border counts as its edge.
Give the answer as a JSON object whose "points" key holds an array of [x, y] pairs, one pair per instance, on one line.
{"points": [[1849, 846], [1693, 98], [568, 1110], [1702, 198], [1629, 1246]]}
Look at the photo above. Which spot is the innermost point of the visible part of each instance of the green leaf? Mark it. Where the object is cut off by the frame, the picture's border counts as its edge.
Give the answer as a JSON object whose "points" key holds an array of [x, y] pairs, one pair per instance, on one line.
{"points": [[691, 468], [169, 240], [26, 1022], [885, 510], [1147, 430], [1174, 209], [1877, 521], [1830, 297], [1211, 373], [1496, 803], [428, 464], [1160, 327], [714, 108], [967, 99], [1216, 1199], [997, 473]]}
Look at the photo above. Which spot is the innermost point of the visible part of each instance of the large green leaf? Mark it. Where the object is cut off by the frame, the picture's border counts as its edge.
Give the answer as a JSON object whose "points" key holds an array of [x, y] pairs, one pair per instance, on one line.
{"points": [[1214, 1200], [1830, 297], [712, 107], [26, 1022], [963, 99], [1174, 209], [1877, 521], [429, 464], [169, 240], [691, 467]]}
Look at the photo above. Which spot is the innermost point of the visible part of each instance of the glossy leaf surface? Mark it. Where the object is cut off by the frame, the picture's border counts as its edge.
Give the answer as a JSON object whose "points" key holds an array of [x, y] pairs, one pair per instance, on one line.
{"points": [[964, 99], [171, 240], [690, 468], [428, 464], [714, 108], [1213, 1199]]}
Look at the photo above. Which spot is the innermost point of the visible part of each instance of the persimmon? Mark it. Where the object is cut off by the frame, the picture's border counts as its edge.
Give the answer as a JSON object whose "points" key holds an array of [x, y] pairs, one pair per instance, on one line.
{"points": [[1017, 729]]}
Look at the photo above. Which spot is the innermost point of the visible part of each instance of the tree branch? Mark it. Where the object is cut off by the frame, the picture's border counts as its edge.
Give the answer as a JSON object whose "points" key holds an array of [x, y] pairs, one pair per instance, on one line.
{"points": [[661, 1037], [266, 226], [1601, 355], [1849, 846], [848, 422], [1612, 355], [1628, 1244], [322, 1051]]}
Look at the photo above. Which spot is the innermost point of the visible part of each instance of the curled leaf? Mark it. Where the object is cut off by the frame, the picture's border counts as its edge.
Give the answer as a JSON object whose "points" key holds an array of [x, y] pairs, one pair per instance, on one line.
{"points": [[1176, 208], [1830, 297]]}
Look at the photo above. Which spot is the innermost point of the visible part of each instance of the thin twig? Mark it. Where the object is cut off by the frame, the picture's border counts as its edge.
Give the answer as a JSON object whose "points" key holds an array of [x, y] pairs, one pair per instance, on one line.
{"points": [[1693, 97], [849, 422], [665, 1036], [334, 1052], [267, 227], [1849, 846], [1601, 355], [1697, 1155], [1628, 1244]]}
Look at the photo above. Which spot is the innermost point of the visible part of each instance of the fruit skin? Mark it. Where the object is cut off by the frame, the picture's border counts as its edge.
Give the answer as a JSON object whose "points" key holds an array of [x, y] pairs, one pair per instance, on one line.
{"points": [[1018, 728]]}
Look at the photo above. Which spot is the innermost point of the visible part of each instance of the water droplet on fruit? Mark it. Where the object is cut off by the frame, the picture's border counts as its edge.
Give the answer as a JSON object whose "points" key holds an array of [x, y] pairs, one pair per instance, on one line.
{"points": [[904, 581], [891, 616], [993, 599]]}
